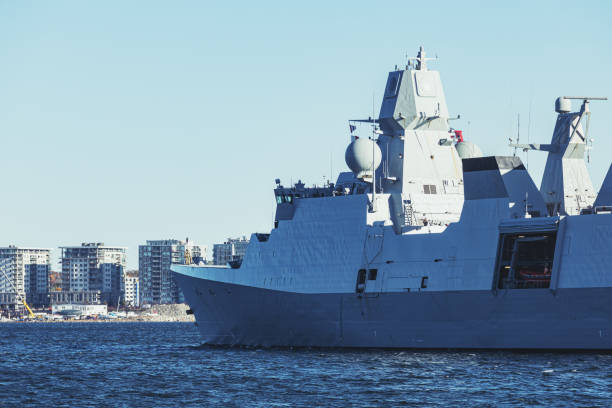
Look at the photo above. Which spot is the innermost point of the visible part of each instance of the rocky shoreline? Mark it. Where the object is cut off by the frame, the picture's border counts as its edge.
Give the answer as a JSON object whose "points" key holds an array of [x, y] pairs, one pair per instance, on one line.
{"points": [[155, 314]]}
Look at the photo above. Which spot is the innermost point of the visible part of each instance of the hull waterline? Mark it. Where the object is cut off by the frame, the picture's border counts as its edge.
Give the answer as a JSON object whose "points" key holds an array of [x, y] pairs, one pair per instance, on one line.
{"points": [[229, 314]]}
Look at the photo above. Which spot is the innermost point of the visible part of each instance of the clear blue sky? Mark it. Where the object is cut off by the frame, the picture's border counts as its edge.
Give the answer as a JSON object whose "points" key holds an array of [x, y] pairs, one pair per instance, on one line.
{"points": [[127, 121]]}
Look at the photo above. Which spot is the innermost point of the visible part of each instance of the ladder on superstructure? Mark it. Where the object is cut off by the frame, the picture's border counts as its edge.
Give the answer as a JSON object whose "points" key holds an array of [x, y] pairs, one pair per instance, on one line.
{"points": [[408, 214]]}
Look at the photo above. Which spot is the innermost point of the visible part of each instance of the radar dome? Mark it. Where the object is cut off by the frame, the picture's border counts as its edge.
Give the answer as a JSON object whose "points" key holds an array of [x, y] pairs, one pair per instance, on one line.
{"points": [[563, 105], [468, 150], [359, 155]]}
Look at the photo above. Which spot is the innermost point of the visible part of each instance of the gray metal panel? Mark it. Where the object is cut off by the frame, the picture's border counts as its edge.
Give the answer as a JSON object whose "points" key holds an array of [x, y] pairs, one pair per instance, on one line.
{"points": [[522, 191], [346, 177], [530, 225], [605, 193], [393, 82], [398, 99], [483, 185], [492, 163], [426, 83], [482, 179], [284, 211]]}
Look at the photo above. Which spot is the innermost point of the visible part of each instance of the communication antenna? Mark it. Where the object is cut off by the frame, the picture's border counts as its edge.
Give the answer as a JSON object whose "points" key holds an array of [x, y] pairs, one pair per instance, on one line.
{"points": [[387, 162], [373, 109], [584, 110], [331, 167], [589, 147], [420, 62], [529, 130], [588, 142], [373, 157], [518, 132]]}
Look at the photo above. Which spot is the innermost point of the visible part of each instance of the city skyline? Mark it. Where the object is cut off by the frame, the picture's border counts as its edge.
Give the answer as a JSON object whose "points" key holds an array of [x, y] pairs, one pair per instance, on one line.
{"points": [[94, 273], [55, 257], [186, 113]]}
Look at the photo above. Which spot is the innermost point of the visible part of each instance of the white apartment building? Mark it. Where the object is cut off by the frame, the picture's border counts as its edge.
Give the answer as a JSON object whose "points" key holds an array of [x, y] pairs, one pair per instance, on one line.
{"points": [[156, 284], [94, 267], [27, 271], [130, 289]]}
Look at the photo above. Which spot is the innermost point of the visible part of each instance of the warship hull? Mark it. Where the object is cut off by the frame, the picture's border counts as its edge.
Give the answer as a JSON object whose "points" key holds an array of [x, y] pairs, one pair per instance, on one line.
{"points": [[425, 243], [565, 319]]}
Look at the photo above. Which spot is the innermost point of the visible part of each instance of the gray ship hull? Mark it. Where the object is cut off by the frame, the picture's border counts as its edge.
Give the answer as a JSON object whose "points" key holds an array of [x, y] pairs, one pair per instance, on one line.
{"points": [[230, 314]]}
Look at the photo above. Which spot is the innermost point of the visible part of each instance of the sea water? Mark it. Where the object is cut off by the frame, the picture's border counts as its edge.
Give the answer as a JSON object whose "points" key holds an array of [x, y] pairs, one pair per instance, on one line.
{"points": [[165, 365]]}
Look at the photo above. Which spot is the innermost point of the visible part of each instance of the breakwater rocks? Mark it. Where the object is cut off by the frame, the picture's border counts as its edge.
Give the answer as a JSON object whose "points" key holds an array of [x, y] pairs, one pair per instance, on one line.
{"points": [[155, 313], [169, 313]]}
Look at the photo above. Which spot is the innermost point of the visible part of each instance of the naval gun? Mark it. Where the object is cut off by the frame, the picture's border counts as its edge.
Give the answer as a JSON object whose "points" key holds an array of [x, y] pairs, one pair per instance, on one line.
{"points": [[566, 184]]}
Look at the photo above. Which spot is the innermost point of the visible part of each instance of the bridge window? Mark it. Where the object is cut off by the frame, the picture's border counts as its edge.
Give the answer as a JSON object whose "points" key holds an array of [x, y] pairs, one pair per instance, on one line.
{"points": [[284, 198]]}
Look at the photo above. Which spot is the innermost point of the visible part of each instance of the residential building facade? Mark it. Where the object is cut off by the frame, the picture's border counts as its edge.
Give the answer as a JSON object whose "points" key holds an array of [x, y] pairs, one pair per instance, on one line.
{"points": [[90, 297], [156, 284], [232, 250], [130, 291], [24, 273], [93, 268]]}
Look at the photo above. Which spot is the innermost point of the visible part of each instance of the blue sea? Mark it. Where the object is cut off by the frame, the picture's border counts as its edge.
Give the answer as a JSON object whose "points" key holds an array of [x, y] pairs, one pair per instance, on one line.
{"points": [[165, 365]]}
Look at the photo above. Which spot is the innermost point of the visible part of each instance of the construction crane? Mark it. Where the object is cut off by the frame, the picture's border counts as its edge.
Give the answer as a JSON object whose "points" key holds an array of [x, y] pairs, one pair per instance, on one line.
{"points": [[188, 259], [17, 295]]}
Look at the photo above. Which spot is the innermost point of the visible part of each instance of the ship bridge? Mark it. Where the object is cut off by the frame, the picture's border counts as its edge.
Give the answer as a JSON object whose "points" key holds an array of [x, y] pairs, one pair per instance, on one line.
{"points": [[299, 190]]}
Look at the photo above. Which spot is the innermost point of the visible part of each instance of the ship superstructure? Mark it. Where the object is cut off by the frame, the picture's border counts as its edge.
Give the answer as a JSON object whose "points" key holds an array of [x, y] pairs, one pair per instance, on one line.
{"points": [[566, 183], [424, 244]]}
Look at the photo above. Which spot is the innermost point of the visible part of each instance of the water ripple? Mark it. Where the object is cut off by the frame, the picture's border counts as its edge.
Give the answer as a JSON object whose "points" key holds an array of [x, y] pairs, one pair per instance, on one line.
{"points": [[164, 365]]}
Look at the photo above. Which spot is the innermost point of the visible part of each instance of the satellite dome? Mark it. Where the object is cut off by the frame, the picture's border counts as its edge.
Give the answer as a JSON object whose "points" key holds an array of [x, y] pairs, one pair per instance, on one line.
{"points": [[468, 150], [359, 155], [563, 105]]}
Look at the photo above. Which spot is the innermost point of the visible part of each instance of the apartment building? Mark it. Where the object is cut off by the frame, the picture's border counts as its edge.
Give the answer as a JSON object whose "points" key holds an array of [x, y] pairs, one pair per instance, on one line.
{"points": [[156, 284], [24, 273], [93, 269], [232, 250]]}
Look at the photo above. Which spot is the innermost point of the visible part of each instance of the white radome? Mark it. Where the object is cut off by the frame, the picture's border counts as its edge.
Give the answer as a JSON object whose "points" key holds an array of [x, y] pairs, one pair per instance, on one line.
{"points": [[359, 155]]}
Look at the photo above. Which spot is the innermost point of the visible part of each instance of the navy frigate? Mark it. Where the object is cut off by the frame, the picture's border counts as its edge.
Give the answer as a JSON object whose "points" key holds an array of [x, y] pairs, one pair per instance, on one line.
{"points": [[425, 244]]}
